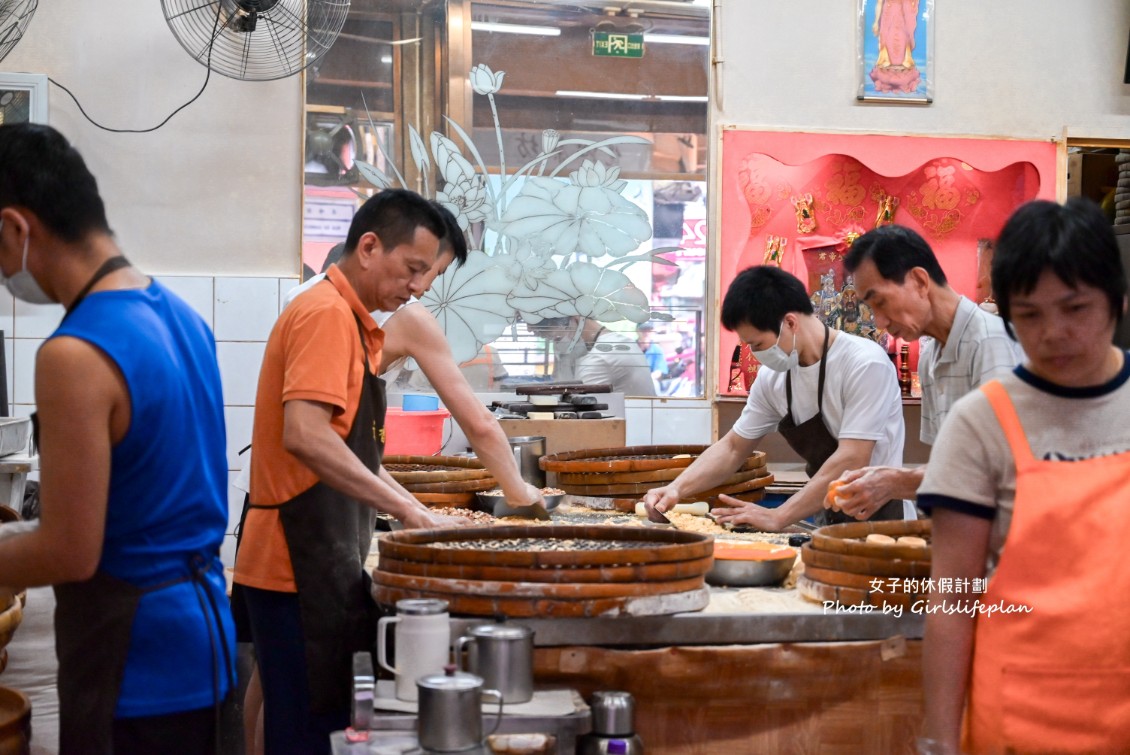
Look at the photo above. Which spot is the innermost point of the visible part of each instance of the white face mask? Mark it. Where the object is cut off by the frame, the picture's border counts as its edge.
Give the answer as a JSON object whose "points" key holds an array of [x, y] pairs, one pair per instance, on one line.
{"points": [[775, 357], [22, 285]]}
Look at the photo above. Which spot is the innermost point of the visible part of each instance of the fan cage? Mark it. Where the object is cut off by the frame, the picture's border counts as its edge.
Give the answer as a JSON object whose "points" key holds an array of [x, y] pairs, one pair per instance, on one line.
{"points": [[289, 36], [15, 15]]}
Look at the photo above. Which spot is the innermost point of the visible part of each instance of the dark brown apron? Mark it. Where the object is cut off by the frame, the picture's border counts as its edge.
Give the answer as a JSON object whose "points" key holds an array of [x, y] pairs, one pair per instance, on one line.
{"points": [[816, 445], [329, 535], [93, 628]]}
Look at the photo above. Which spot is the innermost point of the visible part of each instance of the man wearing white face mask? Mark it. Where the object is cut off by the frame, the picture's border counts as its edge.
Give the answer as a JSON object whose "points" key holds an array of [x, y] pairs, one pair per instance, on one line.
{"points": [[133, 474], [833, 396]]}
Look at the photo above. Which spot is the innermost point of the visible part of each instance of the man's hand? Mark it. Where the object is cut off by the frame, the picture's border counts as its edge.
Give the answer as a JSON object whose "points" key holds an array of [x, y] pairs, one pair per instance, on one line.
{"points": [[533, 496], [741, 512], [424, 518], [859, 493], [662, 499]]}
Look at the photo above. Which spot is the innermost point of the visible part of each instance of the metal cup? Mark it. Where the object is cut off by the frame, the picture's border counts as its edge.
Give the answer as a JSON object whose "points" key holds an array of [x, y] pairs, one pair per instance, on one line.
{"points": [[450, 716], [503, 655]]}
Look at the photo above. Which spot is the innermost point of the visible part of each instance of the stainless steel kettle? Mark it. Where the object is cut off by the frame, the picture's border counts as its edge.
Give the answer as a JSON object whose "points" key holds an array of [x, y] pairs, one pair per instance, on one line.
{"points": [[450, 717]]}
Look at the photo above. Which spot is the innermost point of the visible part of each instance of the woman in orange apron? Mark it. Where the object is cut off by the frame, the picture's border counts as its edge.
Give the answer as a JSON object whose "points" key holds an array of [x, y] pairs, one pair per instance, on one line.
{"points": [[1027, 628]]}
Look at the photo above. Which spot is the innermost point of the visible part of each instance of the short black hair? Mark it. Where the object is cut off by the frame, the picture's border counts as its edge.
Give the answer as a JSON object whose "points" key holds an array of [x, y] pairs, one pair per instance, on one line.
{"points": [[41, 171], [761, 296], [894, 250], [454, 238], [394, 215], [1074, 240]]}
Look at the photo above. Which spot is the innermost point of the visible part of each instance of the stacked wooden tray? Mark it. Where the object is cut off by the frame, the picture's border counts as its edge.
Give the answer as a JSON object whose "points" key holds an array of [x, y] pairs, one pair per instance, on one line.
{"points": [[841, 566], [11, 602], [626, 474], [547, 570], [447, 481]]}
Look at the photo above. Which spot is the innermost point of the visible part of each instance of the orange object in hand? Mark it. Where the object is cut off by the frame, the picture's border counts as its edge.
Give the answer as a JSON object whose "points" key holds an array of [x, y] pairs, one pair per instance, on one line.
{"points": [[833, 496]]}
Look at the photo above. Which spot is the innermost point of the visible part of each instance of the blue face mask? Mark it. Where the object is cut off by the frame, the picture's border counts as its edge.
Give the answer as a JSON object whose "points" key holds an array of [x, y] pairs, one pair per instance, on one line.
{"points": [[775, 357], [22, 285]]}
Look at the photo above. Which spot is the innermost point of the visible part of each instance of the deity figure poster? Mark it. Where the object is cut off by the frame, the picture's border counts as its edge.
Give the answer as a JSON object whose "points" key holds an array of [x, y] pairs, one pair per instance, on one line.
{"points": [[895, 43]]}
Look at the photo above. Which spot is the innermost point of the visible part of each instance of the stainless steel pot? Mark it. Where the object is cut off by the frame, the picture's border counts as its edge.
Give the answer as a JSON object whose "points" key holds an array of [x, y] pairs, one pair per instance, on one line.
{"points": [[503, 655], [528, 450], [450, 716]]}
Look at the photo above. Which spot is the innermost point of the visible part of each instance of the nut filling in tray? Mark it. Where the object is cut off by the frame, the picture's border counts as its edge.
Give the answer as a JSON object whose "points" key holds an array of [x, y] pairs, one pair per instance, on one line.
{"points": [[547, 570]]}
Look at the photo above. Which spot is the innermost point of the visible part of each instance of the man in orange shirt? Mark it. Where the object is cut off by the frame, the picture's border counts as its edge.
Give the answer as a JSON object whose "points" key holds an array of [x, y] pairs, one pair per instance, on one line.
{"points": [[316, 478]]}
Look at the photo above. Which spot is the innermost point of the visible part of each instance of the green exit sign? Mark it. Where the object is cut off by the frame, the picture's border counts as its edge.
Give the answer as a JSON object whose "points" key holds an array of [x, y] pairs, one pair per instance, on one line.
{"points": [[612, 45]]}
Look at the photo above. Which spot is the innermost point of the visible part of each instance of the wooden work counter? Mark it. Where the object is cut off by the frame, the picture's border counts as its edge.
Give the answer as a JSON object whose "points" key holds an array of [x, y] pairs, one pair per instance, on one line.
{"points": [[757, 671]]}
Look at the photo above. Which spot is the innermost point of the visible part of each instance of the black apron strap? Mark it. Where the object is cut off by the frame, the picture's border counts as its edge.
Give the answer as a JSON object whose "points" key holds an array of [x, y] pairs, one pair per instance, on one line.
{"points": [[107, 267]]}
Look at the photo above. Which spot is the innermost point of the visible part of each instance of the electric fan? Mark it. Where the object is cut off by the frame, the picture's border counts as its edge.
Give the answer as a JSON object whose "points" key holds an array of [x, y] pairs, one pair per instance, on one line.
{"points": [[256, 40], [15, 15]]}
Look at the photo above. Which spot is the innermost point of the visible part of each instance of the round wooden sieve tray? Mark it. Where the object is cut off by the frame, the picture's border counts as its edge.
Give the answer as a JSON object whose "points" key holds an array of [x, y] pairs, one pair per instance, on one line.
{"points": [[402, 474], [627, 459], [419, 469], [654, 475], [457, 462], [522, 607], [549, 590], [628, 505], [877, 567], [845, 538], [446, 500], [648, 545], [458, 486], [741, 482], [672, 570]]}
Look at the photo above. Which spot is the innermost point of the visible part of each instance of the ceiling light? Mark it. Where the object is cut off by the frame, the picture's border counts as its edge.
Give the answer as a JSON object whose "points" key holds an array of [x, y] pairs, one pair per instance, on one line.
{"points": [[626, 96], [675, 39], [386, 59], [539, 31], [601, 95]]}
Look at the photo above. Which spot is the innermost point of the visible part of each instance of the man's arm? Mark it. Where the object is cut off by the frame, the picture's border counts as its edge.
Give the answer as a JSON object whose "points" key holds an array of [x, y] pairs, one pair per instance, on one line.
{"points": [[849, 454], [708, 471], [428, 345], [308, 435], [83, 410]]}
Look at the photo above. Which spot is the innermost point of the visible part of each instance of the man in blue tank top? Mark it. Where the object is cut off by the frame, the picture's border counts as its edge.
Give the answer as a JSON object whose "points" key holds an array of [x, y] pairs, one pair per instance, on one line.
{"points": [[133, 471]]}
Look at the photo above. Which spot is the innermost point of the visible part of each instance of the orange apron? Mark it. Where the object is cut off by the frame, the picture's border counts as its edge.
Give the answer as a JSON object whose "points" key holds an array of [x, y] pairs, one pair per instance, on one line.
{"points": [[1056, 679]]}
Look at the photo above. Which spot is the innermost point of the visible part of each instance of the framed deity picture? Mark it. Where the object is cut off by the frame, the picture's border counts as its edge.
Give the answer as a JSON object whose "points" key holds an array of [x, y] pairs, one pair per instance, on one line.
{"points": [[23, 98], [896, 51]]}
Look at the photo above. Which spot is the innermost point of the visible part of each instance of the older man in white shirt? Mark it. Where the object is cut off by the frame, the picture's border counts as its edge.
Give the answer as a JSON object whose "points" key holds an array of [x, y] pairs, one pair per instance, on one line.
{"points": [[963, 346]]}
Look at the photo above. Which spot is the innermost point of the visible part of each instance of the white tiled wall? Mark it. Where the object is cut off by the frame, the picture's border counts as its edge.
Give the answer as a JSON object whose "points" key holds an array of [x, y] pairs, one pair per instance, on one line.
{"points": [[665, 421], [241, 313]]}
